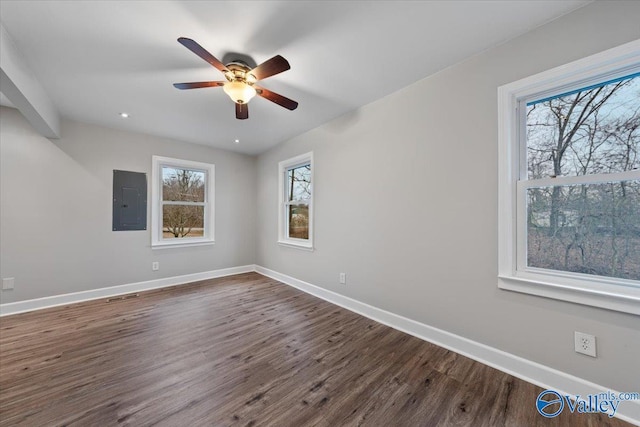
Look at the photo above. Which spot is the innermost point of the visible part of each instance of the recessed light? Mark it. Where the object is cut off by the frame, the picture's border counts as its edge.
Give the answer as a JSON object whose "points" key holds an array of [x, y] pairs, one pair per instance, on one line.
{"points": [[237, 141], [124, 115]]}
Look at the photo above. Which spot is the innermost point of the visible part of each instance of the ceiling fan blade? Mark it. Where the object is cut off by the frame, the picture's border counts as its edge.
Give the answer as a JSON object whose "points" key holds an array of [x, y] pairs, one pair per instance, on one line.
{"points": [[242, 111], [202, 53], [283, 101], [197, 85], [270, 67]]}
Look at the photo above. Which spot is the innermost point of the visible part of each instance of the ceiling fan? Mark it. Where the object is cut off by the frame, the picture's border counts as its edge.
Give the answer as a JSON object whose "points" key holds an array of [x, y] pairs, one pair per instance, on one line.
{"points": [[241, 79]]}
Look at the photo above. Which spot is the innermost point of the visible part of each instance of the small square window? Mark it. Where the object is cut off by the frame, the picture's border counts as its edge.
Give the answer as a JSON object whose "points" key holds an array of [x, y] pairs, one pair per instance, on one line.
{"points": [[182, 209]]}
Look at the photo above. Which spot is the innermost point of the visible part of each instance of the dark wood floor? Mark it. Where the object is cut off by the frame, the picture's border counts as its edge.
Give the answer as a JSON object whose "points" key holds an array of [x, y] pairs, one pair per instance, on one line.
{"points": [[244, 350]]}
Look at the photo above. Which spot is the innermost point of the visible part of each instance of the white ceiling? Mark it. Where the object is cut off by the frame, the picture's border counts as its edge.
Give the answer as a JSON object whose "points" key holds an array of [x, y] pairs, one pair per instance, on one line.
{"points": [[96, 59]]}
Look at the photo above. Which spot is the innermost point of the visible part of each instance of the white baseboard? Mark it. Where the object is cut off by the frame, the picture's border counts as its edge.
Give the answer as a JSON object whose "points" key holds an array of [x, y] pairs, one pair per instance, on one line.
{"points": [[57, 300], [535, 373]]}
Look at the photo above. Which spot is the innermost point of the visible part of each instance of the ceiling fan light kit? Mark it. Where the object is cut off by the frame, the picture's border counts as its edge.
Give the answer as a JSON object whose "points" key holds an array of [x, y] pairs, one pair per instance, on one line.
{"points": [[239, 92], [240, 84]]}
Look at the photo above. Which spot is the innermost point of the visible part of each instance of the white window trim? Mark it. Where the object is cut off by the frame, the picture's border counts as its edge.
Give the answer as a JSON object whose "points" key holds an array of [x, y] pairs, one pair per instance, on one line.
{"points": [[283, 166], [157, 242], [614, 294]]}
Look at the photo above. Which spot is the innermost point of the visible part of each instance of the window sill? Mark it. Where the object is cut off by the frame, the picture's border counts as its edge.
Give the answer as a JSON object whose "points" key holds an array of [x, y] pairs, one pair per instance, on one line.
{"points": [[295, 245], [182, 244], [621, 298]]}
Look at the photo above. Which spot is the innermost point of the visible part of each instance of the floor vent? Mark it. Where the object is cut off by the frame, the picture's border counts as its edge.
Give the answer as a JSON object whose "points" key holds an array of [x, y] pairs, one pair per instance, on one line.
{"points": [[122, 297]]}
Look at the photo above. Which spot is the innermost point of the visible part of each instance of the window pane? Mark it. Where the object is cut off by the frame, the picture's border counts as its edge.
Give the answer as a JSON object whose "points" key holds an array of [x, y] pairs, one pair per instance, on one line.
{"points": [[298, 221], [596, 130], [591, 229], [299, 183], [180, 221], [182, 185]]}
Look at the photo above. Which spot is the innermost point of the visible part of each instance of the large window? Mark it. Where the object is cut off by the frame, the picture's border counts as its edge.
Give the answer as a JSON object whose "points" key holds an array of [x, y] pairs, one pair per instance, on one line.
{"points": [[570, 182], [296, 195], [182, 209]]}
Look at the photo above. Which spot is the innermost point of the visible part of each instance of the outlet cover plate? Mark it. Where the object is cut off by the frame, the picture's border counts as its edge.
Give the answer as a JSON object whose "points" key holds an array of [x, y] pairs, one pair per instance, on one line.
{"points": [[585, 344], [8, 283]]}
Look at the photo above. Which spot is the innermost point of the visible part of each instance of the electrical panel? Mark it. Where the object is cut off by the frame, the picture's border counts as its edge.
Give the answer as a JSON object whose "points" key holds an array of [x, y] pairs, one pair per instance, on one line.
{"points": [[129, 200]]}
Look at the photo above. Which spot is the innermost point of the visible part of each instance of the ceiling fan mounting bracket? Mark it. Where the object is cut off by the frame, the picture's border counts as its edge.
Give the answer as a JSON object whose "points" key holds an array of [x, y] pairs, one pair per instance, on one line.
{"points": [[238, 62]]}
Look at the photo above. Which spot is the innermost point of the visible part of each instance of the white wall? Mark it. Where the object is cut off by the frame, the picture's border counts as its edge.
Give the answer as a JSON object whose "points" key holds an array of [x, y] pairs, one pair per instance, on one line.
{"points": [[55, 221], [406, 205]]}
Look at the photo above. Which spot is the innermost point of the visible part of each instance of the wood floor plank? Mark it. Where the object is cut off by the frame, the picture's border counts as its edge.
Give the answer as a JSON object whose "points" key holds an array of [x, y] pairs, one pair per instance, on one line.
{"points": [[244, 350]]}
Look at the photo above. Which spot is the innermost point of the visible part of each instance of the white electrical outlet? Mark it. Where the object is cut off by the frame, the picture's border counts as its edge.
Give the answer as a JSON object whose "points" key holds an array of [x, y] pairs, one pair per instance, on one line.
{"points": [[585, 344], [343, 278], [155, 266], [8, 283]]}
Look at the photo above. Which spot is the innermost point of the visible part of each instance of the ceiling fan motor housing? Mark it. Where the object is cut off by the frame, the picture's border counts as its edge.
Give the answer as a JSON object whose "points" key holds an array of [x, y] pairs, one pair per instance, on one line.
{"points": [[239, 71]]}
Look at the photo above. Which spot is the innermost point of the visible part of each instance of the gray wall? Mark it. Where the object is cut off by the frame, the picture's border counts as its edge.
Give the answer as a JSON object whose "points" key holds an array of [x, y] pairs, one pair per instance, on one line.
{"points": [[56, 207], [406, 205]]}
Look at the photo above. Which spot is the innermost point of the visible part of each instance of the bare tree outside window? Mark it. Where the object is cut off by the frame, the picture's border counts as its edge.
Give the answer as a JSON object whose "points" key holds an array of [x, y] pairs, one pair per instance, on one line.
{"points": [[183, 202], [585, 228], [298, 197]]}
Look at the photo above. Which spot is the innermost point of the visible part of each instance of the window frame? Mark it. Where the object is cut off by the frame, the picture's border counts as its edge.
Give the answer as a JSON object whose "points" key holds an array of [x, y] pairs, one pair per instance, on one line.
{"points": [[513, 274], [157, 240], [283, 226]]}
